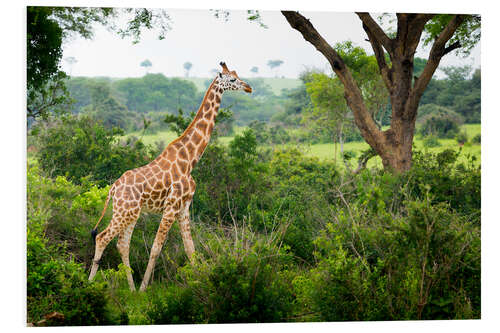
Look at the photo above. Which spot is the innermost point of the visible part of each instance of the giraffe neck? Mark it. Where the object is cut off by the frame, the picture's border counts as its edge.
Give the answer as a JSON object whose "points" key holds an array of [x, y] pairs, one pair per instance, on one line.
{"points": [[197, 135]]}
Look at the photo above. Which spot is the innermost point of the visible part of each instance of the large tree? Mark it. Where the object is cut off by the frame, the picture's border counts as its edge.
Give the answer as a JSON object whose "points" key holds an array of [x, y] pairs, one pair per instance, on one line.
{"points": [[395, 59]]}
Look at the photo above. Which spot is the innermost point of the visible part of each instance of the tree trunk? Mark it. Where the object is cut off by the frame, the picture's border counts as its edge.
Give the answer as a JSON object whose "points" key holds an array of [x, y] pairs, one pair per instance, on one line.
{"points": [[394, 145]]}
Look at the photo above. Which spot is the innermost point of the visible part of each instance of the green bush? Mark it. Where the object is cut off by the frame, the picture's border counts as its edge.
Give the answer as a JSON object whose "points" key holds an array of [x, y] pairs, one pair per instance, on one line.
{"points": [[458, 184], [399, 266], [477, 139], [431, 141], [461, 137], [343, 287], [440, 121], [239, 281], [55, 283], [80, 147]]}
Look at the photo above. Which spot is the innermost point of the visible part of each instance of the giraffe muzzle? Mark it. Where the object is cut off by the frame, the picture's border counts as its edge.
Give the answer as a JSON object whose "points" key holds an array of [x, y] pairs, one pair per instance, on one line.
{"points": [[247, 89]]}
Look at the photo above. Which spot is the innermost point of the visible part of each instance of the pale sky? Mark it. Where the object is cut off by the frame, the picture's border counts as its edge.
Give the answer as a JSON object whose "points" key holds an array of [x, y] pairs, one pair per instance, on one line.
{"points": [[200, 38]]}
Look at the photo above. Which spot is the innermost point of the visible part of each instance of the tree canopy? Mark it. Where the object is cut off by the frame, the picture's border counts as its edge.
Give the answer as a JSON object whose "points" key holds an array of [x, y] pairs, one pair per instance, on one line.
{"points": [[48, 27]]}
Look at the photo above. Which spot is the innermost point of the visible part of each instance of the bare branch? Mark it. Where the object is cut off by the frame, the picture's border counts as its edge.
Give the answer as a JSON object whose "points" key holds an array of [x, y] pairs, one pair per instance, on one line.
{"points": [[376, 31], [380, 56], [452, 47]]}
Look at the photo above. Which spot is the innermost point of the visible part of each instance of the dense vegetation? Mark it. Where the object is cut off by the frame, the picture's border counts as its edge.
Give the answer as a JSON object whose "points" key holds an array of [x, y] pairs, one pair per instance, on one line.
{"points": [[279, 237]]}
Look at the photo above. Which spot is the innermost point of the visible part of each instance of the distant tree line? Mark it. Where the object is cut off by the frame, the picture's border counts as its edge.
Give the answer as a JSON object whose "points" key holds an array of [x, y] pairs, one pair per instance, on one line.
{"points": [[124, 102]]}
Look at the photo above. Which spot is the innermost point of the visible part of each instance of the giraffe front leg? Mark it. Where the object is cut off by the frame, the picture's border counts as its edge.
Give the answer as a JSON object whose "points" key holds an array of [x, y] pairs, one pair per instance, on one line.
{"points": [[166, 222], [186, 230]]}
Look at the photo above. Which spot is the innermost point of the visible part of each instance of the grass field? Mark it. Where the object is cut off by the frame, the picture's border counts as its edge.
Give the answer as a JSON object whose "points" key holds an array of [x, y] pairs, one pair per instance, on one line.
{"points": [[326, 151], [276, 84]]}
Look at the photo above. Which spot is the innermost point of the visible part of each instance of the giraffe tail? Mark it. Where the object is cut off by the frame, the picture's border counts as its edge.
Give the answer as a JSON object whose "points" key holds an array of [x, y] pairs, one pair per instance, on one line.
{"points": [[93, 233]]}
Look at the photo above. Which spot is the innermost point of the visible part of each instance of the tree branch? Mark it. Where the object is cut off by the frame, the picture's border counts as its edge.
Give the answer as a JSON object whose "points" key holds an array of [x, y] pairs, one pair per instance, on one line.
{"points": [[352, 93], [415, 28], [438, 50], [376, 32], [385, 71], [452, 47]]}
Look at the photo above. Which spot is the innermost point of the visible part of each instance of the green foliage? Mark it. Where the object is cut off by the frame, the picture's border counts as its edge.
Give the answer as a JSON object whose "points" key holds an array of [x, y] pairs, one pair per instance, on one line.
{"points": [[395, 250], [80, 147], [468, 33], [265, 134], [458, 184], [477, 138], [108, 109], [431, 141], [48, 27], [461, 137], [240, 281], [55, 283], [343, 287], [44, 37], [155, 92], [439, 121], [45, 82], [279, 237], [329, 115], [459, 91], [297, 101]]}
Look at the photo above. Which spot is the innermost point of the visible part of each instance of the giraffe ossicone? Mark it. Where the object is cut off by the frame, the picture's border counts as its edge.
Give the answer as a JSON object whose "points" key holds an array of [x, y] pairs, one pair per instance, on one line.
{"points": [[164, 185]]}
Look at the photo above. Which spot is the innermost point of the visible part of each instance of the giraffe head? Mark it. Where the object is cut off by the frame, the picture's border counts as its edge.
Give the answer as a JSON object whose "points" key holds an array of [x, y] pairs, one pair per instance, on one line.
{"points": [[229, 80]]}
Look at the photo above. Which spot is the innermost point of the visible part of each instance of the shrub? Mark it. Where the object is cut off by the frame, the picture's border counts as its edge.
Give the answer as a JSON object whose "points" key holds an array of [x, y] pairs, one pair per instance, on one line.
{"points": [[461, 137], [55, 283], [477, 139], [458, 184], [399, 266], [431, 141], [80, 147], [440, 121], [230, 281], [342, 287]]}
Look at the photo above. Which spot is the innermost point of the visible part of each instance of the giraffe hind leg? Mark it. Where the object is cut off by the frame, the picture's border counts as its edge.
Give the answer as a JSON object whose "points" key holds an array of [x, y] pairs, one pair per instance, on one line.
{"points": [[102, 240], [123, 246]]}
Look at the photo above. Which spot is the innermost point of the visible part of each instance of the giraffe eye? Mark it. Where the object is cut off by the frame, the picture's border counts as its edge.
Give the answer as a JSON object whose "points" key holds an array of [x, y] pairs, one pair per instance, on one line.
{"points": [[232, 80]]}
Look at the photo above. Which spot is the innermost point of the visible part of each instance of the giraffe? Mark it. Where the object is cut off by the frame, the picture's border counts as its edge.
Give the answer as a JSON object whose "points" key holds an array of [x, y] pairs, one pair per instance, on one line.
{"points": [[165, 185]]}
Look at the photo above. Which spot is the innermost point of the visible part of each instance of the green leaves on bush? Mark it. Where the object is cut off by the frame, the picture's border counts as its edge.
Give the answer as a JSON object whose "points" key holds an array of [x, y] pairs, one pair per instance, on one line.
{"points": [[279, 237], [439, 121], [55, 283], [239, 281], [81, 148]]}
